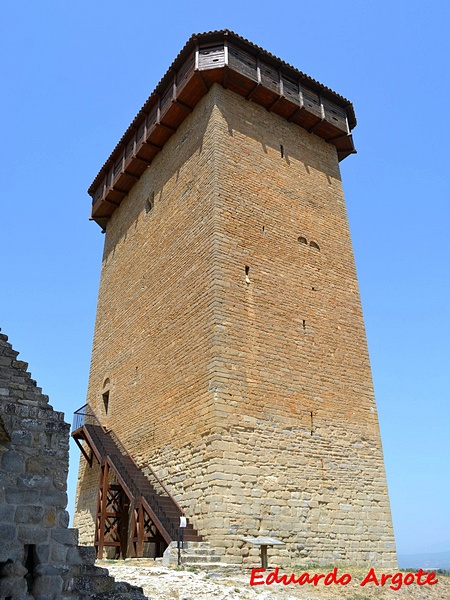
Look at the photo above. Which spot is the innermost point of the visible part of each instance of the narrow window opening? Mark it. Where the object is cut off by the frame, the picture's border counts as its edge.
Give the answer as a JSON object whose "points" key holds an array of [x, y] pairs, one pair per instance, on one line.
{"points": [[247, 278], [105, 397], [4, 436], [263, 228], [304, 324], [282, 150], [30, 565], [149, 203], [312, 423]]}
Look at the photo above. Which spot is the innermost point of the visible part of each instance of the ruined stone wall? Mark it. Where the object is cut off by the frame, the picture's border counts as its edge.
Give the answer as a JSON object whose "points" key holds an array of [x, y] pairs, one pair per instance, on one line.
{"points": [[39, 555], [230, 337], [34, 462]]}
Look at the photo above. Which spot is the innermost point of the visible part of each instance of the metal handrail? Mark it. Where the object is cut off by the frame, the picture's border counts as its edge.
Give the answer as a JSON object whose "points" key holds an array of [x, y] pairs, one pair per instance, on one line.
{"points": [[84, 416]]}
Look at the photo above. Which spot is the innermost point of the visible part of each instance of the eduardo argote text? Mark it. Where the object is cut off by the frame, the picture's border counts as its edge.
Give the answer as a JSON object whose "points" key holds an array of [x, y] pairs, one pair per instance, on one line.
{"points": [[393, 580]]}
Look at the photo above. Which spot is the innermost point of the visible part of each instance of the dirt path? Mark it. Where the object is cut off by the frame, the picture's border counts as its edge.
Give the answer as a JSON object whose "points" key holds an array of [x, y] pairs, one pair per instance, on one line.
{"points": [[160, 583]]}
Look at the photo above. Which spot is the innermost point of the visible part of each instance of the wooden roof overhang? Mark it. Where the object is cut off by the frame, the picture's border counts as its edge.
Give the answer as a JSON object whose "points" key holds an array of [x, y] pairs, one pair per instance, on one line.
{"points": [[235, 63]]}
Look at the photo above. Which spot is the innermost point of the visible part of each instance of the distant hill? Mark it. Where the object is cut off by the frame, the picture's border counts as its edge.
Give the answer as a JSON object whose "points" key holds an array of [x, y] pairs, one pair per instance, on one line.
{"points": [[425, 560]]}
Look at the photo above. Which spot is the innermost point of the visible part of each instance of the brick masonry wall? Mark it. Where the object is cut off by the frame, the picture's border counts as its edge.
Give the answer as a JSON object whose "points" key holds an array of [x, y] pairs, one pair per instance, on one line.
{"points": [[234, 350]]}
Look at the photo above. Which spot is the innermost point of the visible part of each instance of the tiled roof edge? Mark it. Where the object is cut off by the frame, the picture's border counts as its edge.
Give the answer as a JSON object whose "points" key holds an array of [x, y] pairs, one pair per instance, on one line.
{"points": [[212, 36]]}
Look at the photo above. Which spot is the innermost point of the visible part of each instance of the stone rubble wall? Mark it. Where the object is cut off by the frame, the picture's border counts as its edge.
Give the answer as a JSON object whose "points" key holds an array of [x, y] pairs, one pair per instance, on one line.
{"points": [[39, 555]]}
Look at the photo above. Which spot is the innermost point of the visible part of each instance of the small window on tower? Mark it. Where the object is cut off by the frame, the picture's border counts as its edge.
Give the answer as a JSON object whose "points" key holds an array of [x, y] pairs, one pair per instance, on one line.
{"points": [[149, 203], [106, 401]]}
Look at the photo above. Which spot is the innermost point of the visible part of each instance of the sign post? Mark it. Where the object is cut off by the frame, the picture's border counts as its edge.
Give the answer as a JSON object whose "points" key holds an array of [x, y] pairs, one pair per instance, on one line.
{"points": [[180, 541]]}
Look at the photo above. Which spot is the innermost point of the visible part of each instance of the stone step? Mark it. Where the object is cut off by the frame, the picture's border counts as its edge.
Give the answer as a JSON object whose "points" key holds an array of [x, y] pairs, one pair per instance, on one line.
{"points": [[194, 554], [193, 546], [198, 552], [219, 567], [198, 558]]}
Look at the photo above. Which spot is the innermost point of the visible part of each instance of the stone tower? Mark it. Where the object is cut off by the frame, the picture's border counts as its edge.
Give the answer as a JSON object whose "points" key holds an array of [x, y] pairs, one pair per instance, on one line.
{"points": [[229, 355]]}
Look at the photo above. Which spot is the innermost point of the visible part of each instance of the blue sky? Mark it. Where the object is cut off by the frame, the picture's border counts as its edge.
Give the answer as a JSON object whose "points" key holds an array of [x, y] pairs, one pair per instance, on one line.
{"points": [[73, 77]]}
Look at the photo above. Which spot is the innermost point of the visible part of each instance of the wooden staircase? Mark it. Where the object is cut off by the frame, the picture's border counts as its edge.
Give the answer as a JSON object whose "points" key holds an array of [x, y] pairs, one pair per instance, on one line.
{"points": [[123, 487]]}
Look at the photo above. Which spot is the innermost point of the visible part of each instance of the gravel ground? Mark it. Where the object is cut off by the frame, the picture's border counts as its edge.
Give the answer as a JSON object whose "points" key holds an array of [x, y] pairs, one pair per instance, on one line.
{"points": [[160, 583]]}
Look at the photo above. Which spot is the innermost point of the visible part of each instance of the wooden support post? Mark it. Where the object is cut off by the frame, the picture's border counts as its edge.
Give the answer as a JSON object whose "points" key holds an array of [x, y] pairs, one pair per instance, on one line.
{"points": [[264, 556], [101, 509], [322, 107], [300, 95], [124, 528], [140, 531], [158, 112], [225, 50], [197, 50], [132, 532]]}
